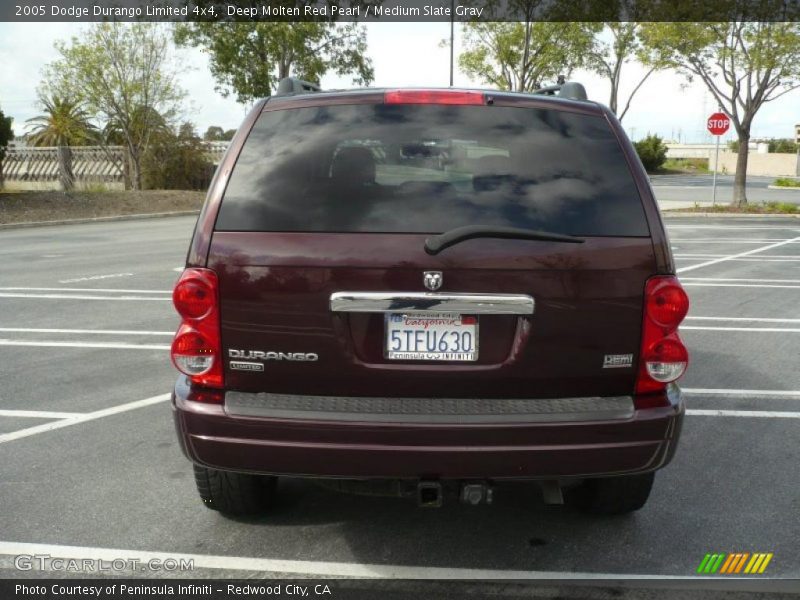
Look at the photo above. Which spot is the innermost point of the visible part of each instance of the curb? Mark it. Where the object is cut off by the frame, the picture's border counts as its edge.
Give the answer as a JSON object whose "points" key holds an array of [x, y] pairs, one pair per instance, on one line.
{"points": [[134, 217], [678, 213], [784, 187]]}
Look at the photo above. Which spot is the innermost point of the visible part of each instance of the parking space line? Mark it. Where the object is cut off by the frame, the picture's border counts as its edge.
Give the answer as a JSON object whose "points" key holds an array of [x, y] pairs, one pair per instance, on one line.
{"points": [[63, 289], [739, 279], [763, 414], [744, 319], [741, 285], [760, 329], [734, 241], [38, 414], [739, 255], [90, 331], [734, 228], [705, 255], [307, 567], [735, 392], [82, 418], [109, 345], [78, 297]]}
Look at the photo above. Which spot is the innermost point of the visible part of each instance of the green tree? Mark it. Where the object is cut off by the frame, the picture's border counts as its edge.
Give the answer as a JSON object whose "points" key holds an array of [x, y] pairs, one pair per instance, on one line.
{"points": [[6, 135], [743, 64], [783, 146], [249, 58], [215, 133], [176, 160], [124, 74], [652, 151], [64, 123], [608, 59], [521, 56]]}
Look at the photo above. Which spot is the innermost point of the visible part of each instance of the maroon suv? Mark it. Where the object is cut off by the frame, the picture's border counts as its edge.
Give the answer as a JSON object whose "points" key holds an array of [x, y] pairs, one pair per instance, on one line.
{"points": [[429, 290]]}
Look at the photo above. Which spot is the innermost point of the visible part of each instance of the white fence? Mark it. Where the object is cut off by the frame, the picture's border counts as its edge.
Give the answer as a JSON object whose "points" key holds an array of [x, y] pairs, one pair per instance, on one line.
{"points": [[28, 168]]}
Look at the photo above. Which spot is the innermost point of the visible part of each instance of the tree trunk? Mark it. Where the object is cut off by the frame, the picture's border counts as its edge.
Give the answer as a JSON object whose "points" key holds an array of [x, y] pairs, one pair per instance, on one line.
{"points": [[740, 179], [65, 175], [136, 172]]}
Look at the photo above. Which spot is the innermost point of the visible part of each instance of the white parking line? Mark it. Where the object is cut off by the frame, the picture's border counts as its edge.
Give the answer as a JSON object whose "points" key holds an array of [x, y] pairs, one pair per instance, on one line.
{"points": [[742, 285], [63, 289], [82, 418], [712, 279], [90, 331], [110, 345], [77, 297], [306, 567], [739, 255], [744, 319], [728, 240], [735, 392], [705, 255], [38, 414], [764, 414], [733, 228], [760, 329], [755, 260]]}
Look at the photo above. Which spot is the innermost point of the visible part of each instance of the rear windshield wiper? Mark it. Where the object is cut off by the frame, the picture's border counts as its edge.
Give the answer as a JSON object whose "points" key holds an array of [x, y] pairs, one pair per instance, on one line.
{"points": [[437, 243]]}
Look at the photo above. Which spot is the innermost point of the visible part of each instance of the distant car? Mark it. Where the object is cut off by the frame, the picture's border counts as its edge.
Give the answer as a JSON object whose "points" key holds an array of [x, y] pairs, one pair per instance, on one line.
{"points": [[428, 291]]}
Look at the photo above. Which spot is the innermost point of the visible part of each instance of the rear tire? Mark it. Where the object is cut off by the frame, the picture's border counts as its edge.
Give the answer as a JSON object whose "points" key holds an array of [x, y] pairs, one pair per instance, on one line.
{"points": [[234, 493], [613, 495]]}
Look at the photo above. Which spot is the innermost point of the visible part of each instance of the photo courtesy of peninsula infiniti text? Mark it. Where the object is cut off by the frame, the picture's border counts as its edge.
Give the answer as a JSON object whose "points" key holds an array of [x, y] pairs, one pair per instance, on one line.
{"points": [[429, 293]]}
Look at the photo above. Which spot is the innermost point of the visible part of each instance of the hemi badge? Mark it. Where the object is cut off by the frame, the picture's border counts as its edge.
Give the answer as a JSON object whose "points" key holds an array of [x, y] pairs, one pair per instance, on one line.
{"points": [[617, 361]]}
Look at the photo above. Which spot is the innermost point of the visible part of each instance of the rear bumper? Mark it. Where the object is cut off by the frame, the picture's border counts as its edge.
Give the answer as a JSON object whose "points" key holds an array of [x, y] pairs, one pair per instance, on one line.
{"points": [[387, 445]]}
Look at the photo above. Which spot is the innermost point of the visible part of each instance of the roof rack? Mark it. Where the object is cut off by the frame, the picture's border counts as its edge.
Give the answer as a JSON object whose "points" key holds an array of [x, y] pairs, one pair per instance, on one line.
{"points": [[572, 90], [292, 85]]}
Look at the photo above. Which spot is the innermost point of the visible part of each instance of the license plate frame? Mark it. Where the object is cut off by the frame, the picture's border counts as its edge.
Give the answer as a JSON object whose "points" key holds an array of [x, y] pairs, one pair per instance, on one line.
{"points": [[432, 357]]}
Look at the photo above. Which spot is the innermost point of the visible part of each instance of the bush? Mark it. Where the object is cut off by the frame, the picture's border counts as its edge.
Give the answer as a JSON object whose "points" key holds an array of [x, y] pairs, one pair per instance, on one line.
{"points": [[787, 182], [782, 146], [176, 161], [652, 151]]}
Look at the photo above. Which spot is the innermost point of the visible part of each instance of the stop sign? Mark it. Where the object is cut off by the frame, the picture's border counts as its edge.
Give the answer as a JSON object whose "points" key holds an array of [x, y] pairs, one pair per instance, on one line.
{"points": [[718, 123]]}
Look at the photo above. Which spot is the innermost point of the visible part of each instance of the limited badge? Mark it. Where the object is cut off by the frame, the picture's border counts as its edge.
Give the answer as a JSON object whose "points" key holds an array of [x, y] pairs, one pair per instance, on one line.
{"points": [[617, 361]]}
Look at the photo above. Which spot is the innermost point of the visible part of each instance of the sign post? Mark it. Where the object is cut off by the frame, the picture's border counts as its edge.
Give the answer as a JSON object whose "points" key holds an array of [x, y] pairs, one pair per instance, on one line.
{"points": [[717, 125]]}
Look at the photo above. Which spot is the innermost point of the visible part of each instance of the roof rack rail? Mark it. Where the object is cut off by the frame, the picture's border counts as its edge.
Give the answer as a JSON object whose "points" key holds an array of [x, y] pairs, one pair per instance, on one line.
{"points": [[292, 85], [572, 90]]}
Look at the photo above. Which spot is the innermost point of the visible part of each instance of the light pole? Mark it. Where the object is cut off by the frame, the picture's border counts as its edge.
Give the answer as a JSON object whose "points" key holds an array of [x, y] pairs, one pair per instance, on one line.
{"points": [[452, 36]]}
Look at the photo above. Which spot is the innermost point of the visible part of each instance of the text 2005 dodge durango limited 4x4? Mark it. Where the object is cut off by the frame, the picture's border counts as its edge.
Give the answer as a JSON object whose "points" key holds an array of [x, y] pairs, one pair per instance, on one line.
{"points": [[427, 292]]}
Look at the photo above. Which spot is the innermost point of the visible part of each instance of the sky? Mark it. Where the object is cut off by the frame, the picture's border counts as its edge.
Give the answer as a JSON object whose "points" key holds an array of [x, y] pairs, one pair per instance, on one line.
{"points": [[403, 54]]}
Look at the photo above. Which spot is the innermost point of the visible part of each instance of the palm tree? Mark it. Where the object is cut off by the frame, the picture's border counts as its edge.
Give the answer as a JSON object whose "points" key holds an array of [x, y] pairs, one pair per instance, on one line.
{"points": [[64, 123]]}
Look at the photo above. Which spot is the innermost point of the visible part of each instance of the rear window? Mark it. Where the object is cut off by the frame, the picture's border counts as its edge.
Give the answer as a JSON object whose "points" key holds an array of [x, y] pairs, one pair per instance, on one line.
{"points": [[430, 168]]}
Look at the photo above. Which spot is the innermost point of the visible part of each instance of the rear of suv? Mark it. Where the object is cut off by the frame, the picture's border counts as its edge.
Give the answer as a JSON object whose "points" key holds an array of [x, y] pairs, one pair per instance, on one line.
{"points": [[426, 290]]}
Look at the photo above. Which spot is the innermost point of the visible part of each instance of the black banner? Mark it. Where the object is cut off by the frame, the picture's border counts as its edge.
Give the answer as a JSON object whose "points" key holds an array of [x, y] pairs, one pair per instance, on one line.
{"points": [[372, 11]]}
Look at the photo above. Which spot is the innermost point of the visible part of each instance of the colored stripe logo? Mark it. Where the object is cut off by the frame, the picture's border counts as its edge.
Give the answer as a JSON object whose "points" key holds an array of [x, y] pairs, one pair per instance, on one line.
{"points": [[735, 563]]}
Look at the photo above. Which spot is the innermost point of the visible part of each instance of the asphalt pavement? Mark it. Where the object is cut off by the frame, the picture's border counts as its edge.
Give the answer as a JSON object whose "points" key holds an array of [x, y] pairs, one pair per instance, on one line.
{"points": [[685, 190], [91, 464]]}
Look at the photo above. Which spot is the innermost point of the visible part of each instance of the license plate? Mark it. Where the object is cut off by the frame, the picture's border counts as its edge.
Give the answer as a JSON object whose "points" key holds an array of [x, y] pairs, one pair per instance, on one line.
{"points": [[431, 336]]}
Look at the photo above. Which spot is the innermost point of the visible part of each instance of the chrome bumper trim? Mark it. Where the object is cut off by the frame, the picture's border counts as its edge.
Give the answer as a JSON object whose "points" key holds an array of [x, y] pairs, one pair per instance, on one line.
{"points": [[424, 302]]}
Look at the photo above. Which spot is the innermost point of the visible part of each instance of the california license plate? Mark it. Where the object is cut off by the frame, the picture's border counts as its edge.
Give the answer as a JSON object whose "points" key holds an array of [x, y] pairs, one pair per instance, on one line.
{"points": [[431, 336]]}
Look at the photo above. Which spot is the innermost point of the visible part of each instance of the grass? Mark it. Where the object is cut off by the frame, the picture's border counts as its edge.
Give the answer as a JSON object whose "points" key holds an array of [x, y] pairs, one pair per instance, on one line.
{"points": [[38, 206], [787, 182], [684, 165], [760, 208]]}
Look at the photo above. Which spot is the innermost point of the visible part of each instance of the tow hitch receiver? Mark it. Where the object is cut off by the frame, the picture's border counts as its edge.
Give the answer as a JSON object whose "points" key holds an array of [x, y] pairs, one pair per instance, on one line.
{"points": [[429, 494]]}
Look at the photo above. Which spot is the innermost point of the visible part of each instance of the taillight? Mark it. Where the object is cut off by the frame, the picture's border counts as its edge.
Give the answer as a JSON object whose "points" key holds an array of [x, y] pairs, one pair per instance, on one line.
{"points": [[196, 349], [663, 357], [433, 97]]}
